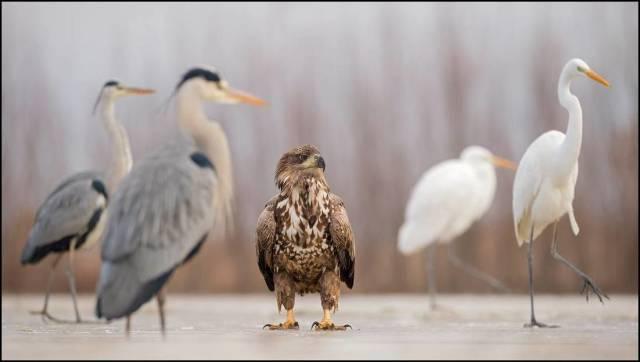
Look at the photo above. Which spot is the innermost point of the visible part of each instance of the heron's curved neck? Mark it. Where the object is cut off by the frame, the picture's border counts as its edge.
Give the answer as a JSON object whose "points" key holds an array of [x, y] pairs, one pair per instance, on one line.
{"points": [[210, 139], [121, 159], [570, 148]]}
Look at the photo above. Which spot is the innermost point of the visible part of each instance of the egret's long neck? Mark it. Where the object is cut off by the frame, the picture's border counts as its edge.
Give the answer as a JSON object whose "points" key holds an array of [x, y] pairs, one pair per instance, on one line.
{"points": [[121, 160], [210, 139], [570, 148]]}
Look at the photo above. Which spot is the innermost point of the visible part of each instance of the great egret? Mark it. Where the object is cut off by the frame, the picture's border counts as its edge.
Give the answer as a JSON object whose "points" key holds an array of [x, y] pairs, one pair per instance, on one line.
{"points": [[544, 185], [449, 197], [164, 209], [72, 216]]}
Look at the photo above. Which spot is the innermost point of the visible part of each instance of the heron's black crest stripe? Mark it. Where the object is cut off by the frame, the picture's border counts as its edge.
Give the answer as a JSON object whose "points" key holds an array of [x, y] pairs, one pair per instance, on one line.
{"points": [[201, 160], [199, 73], [100, 188], [110, 83]]}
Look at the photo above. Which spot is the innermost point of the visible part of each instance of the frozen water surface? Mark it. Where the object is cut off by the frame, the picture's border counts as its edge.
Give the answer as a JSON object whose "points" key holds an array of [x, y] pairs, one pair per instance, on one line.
{"points": [[385, 327]]}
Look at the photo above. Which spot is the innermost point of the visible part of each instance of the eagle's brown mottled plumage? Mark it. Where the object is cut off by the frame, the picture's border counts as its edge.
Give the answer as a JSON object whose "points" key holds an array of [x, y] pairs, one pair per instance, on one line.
{"points": [[304, 238]]}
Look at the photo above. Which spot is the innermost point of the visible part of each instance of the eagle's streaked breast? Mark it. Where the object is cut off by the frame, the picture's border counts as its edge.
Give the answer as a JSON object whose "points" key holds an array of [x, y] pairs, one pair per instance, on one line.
{"points": [[303, 245]]}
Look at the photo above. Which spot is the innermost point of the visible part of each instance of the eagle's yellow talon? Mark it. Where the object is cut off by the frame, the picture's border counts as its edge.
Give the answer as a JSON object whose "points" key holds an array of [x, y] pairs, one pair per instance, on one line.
{"points": [[284, 325], [329, 326], [290, 323]]}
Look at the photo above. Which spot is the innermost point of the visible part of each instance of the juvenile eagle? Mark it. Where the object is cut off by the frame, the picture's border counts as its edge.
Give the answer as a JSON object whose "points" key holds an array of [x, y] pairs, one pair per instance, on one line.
{"points": [[304, 239]]}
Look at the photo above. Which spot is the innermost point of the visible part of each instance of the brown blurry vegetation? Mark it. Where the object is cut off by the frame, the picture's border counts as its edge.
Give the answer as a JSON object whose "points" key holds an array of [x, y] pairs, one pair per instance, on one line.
{"points": [[385, 91]]}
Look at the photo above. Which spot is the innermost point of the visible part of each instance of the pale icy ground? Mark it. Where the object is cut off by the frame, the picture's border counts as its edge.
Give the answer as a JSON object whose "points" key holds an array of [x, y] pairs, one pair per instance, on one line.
{"points": [[385, 327]]}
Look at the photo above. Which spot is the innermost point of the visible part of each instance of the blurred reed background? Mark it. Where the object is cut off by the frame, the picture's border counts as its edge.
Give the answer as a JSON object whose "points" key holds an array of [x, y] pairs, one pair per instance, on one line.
{"points": [[384, 90]]}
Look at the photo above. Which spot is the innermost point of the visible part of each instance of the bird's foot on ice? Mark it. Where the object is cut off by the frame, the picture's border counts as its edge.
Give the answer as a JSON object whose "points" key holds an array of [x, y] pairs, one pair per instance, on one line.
{"points": [[590, 287], [285, 325], [329, 326], [535, 323], [46, 317]]}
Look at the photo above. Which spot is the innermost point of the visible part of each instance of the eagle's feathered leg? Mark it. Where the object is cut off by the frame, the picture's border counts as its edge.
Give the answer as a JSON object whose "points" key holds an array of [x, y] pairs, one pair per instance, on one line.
{"points": [[285, 296], [329, 295]]}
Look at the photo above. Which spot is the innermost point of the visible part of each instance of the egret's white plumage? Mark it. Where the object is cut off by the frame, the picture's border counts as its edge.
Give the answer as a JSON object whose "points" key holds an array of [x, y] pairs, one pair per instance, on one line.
{"points": [[545, 181], [544, 185], [448, 199], [537, 196], [445, 202]]}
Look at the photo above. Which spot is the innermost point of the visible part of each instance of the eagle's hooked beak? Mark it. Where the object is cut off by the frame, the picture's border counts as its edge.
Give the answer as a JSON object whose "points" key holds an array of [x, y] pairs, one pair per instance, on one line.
{"points": [[320, 162]]}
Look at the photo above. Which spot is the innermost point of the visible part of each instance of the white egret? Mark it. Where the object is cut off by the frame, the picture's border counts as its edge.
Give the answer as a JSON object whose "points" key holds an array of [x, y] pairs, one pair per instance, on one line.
{"points": [[543, 188], [449, 197]]}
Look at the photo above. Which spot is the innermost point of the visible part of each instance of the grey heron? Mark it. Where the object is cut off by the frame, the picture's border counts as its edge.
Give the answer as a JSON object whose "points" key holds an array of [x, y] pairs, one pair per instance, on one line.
{"points": [[72, 216], [164, 209]]}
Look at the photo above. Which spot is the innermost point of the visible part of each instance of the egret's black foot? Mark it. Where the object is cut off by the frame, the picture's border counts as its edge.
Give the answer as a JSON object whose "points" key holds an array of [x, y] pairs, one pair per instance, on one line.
{"points": [[535, 323], [329, 326], [285, 325], [589, 286]]}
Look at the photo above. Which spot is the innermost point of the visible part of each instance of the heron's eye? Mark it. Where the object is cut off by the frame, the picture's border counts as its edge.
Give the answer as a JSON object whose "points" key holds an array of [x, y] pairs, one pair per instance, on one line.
{"points": [[581, 69]]}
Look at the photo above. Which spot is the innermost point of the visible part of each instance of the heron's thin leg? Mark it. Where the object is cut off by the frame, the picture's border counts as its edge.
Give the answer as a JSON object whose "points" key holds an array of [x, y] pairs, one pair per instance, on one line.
{"points": [[431, 273], [127, 328], [72, 281], [588, 282], [44, 312], [161, 297], [533, 322], [472, 271]]}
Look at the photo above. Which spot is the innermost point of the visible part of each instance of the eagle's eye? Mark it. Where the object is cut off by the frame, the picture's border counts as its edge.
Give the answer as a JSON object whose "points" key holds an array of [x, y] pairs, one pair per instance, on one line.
{"points": [[301, 158]]}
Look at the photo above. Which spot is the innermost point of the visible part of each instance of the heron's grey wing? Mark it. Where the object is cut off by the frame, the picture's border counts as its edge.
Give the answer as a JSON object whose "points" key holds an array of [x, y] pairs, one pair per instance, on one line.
{"points": [[159, 216], [66, 213], [266, 233], [343, 239]]}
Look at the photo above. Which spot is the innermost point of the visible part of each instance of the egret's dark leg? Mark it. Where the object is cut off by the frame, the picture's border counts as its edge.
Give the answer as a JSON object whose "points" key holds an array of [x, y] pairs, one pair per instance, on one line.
{"points": [[472, 271], [431, 274], [127, 328], [533, 323], [161, 297], [44, 313], [588, 285], [72, 281]]}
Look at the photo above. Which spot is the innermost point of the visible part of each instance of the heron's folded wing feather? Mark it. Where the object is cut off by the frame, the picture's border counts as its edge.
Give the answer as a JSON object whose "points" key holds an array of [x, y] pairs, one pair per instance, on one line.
{"points": [[159, 213], [67, 210]]}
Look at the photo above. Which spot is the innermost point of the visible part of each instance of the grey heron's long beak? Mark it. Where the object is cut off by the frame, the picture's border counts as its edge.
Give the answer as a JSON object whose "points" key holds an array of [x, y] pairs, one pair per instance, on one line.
{"points": [[244, 97], [138, 91]]}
